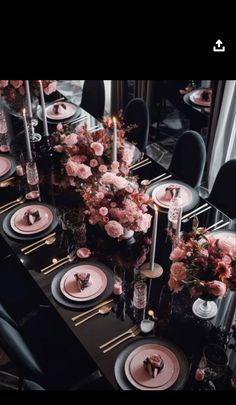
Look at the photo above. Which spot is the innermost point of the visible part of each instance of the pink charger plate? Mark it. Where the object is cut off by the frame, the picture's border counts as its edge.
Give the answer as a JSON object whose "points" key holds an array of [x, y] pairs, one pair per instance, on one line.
{"points": [[69, 287], [66, 113], [19, 225], [158, 194], [138, 376]]}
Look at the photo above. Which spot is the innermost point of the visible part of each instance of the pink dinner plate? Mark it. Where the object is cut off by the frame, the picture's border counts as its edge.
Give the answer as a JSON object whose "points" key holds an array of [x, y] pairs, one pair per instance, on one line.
{"points": [[98, 283], [5, 165], [19, 224], [63, 113], [138, 376], [196, 98], [158, 194]]}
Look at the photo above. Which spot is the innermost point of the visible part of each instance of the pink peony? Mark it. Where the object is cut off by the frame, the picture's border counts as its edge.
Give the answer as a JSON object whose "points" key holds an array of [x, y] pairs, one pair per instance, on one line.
{"points": [[83, 253], [216, 288], [83, 171], [98, 148], [178, 271], [114, 229]]}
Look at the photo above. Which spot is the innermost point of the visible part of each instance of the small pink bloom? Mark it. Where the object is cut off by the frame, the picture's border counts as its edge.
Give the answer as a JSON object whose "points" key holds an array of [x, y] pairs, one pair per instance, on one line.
{"points": [[103, 211], [58, 148], [3, 83], [129, 189], [60, 127], [102, 168], [98, 148], [70, 139], [115, 166], [100, 195], [114, 229], [83, 253], [93, 163], [174, 285], [50, 88], [71, 167]]}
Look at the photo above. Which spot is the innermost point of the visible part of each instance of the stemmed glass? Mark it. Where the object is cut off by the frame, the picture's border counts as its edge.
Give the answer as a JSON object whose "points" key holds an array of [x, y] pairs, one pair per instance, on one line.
{"points": [[213, 363]]}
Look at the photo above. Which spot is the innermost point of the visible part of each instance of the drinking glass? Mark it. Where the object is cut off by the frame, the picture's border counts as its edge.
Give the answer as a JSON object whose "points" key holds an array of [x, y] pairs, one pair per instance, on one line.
{"points": [[32, 173]]}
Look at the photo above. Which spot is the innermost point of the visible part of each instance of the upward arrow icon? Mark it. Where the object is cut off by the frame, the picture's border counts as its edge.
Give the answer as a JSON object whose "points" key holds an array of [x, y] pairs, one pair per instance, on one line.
{"points": [[219, 43]]}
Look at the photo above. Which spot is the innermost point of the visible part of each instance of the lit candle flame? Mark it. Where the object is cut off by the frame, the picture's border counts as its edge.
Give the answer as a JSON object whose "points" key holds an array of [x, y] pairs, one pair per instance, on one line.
{"points": [[114, 120], [24, 111], [151, 313]]}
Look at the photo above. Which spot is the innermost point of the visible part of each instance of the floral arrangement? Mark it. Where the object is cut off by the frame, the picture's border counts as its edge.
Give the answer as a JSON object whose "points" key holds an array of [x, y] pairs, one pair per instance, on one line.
{"points": [[203, 263], [13, 91], [87, 154], [117, 205]]}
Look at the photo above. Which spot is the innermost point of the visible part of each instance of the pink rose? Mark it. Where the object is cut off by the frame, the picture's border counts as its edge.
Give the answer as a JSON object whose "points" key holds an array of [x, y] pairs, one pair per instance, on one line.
{"points": [[93, 163], [102, 168], [79, 130], [216, 288], [71, 167], [50, 88], [177, 254], [83, 171], [178, 271], [83, 253], [114, 229], [98, 148], [16, 83], [100, 195], [103, 211], [70, 139], [115, 166]]}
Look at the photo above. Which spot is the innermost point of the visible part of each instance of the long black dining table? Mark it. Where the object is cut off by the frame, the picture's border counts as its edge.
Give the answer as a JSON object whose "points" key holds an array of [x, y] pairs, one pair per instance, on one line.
{"points": [[99, 329]]}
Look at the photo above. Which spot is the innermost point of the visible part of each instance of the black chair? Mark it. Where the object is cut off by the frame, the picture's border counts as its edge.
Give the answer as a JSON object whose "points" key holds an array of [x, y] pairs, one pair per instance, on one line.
{"points": [[65, 372], [93, 98], [5, 315], [136, 112], [189, 157], [223, 193]]}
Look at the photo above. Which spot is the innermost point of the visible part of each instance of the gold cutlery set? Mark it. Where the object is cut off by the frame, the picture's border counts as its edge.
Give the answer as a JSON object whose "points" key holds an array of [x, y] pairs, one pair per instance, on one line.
{"points": [[104, 308], [12, 204]]}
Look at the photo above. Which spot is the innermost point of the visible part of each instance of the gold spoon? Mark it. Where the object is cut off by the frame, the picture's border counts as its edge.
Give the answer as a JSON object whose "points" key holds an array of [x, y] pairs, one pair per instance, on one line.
{"points": [[103, 310], [20, 200], [146, 182], [12, 202], [48, 241]]}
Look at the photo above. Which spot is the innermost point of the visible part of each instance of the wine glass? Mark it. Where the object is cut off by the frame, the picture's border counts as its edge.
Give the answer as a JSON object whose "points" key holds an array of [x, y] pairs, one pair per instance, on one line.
{"points": [[213, 362]]}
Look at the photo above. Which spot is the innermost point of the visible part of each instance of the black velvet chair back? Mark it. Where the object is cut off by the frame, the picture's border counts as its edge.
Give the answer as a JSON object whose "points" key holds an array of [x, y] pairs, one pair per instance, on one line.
{"points": [[189, 158], [15, 347], [93, 98], [136, 112], [223, 193], [5, 315]]}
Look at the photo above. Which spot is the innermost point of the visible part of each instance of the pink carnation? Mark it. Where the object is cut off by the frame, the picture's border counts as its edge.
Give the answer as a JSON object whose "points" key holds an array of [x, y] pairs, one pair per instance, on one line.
{"points": [[216, 288], [83, 253], [114, 229], [178, 270], [98, 148]]}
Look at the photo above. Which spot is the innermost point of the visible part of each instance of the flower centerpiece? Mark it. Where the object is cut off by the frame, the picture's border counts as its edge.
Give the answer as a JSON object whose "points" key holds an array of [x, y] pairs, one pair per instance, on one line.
{"points": [[13, 91], [86, 154], [204, 264]]}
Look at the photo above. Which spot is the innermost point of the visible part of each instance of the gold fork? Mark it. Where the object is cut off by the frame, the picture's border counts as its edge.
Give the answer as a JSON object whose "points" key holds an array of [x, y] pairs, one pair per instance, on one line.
{"points": [[132, 334], [130, 330]]}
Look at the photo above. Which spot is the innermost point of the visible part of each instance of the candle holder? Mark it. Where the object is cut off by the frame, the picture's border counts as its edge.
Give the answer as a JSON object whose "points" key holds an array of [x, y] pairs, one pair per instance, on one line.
{"points": [[147, 272]]}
